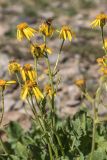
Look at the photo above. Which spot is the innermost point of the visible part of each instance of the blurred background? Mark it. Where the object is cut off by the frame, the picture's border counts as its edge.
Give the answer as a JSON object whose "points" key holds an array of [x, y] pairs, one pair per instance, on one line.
{"points": [[78, 58]]}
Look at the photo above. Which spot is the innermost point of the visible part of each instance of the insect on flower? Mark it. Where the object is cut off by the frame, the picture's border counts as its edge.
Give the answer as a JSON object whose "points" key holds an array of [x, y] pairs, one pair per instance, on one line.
{"points": [[31, 88], [13, 67], [24, 31], [4, 83], [39, 50], [46, 28], [27, 72], [66, 32], [100, 20]]}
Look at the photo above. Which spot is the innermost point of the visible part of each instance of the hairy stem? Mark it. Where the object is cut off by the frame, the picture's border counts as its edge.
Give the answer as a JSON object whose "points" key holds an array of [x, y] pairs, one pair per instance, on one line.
{"points": [[2, 100], [58, 57], [94, 131], [102, 34]]}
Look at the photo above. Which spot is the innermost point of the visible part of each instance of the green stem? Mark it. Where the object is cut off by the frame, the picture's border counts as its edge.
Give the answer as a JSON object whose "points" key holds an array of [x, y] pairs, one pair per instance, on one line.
{"points": [[35, 63], [102, 34], [58, 57], [2, 99], [52, 86], [43, 128], [94, 131], [50, 151], [18, 79], [52, 100], [60, 144], [3, 146]]}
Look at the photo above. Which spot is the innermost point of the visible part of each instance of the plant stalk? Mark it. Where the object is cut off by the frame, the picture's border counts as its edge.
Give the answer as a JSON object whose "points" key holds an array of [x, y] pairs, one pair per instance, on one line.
{"points": [[102, 34]]}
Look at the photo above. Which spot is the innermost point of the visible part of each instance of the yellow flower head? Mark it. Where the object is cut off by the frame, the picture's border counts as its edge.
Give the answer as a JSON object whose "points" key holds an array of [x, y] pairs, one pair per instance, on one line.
{"points": [[4, 83], [30, 87], [48, 90], [99, 21], [46, 29], [66, 32], [13, 67], [80, 83], [27, 72], [39, 50], [24, 31]]}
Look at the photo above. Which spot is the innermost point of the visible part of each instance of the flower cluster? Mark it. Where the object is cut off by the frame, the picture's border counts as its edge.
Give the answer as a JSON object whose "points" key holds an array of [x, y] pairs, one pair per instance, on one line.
{"points": [[27, 73]]}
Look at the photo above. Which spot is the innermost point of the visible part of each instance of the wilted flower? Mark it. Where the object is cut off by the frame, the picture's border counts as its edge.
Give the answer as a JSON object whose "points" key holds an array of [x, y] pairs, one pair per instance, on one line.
{"points": [[27, 72], [103, 64], [66, 32], [103, 70], [81, 83], [102, 61], [48, 90], [39, 50], [4, 83], [13, 67], [100, 20], [46, 29], [31, 88], [24, 31]]}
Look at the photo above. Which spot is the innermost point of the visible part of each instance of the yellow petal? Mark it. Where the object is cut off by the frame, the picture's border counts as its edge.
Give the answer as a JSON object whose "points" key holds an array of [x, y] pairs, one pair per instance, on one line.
{"points": [[69, 35], [10, 82], [26, 33], [64, 34], [23, 74], [20, 35], [32, 75], [48, 50], [37, 93], [24, 93]]}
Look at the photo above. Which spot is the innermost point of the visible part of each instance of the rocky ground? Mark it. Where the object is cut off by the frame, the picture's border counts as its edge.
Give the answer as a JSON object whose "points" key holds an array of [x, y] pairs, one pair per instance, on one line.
{"points": [[78, 59]]}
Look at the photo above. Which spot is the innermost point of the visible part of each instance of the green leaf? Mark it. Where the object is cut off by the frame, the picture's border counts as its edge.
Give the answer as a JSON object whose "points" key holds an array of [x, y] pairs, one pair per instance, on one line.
{"points": [[12, 157], [21, 151], [14, 131], [99, 154]]}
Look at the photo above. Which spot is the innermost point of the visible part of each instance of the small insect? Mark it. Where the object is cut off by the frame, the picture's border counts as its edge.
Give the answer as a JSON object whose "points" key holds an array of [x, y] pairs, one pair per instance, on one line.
{"points": [[49, 21]]}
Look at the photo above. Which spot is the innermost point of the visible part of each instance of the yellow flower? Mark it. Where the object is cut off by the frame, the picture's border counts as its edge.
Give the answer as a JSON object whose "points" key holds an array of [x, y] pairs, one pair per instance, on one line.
{"points": [[24, 31], [13, 67], [48, 90], [66, 32], [4, 83], [46, 29], [39, 50], [29, 88], [27, 72], [80, 83], [100, 20]]}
